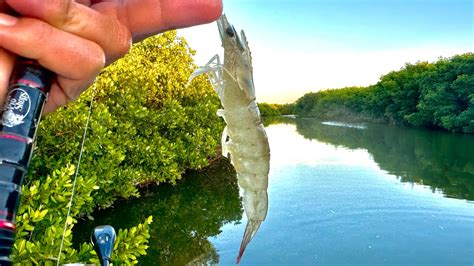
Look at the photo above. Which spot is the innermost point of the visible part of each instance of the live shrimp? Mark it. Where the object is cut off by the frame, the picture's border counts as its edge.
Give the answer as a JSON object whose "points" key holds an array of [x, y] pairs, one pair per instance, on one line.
{"points": [[244, 137]]}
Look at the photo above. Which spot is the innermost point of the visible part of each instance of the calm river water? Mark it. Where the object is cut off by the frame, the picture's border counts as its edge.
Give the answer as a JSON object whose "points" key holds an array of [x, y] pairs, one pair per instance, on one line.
{"points": [[339, 194]]}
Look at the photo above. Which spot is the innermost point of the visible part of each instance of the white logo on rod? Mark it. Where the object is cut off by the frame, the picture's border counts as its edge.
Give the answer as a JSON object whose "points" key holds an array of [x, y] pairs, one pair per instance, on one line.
{"points": [[17, 108]]}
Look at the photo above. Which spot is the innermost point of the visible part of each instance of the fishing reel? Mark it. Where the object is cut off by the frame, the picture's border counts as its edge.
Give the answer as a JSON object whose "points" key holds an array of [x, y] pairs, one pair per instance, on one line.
{"points": [[103, 238]]}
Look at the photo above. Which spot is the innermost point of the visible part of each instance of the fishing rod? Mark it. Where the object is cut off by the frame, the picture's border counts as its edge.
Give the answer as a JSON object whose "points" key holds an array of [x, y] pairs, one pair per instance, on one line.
{"points": [[27, 93]]}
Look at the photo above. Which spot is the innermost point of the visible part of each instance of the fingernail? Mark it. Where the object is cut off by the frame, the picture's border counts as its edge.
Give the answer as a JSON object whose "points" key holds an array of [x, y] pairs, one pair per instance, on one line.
{"points": [[6, 20]]}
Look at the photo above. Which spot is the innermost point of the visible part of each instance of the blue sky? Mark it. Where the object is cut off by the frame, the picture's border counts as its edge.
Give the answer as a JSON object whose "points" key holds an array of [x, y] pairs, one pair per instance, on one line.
{"points": [[309, 45]]}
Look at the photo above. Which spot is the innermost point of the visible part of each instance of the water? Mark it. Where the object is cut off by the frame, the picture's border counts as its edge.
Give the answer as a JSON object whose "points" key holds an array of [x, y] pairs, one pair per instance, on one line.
{"points": [[340, 194]]}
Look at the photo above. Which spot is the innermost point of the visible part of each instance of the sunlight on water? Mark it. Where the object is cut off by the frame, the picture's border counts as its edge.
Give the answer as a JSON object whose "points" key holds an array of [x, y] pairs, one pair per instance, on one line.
{"points": [[343, 124], [290, 148]]}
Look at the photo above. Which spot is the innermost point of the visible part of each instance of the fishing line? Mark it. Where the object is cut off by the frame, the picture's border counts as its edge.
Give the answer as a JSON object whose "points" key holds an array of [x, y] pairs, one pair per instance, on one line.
{"points": [[94, 86]]}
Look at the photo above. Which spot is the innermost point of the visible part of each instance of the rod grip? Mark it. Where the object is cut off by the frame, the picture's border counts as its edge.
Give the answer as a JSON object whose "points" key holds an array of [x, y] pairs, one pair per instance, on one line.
{"points": [[27, 93]]}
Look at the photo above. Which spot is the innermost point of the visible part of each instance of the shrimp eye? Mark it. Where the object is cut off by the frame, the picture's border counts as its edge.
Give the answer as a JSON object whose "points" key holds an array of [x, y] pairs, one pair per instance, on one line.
{"points": [[230, 32]]}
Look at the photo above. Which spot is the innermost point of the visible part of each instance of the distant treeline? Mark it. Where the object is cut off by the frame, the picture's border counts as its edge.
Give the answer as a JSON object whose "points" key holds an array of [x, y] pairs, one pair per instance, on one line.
{"points": [[271, 109], [434, 95]]}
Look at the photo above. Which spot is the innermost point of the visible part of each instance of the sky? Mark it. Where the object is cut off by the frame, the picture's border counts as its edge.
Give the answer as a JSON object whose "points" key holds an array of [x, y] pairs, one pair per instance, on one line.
{"points": [[302, 46]]}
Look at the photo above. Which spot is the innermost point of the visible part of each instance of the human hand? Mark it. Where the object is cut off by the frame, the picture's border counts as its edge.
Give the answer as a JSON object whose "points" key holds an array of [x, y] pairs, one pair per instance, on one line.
{"points": [[76, 39]]}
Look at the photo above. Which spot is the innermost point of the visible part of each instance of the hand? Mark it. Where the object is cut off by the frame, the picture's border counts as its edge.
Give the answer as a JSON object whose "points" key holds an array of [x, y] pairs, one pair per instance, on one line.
{"points": [[76, 39]]}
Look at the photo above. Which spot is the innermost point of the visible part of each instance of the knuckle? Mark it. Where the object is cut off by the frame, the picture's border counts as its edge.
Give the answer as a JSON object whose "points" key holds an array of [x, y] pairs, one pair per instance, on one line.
{"points": [[65, 12], [125, 42], [120, 45], [66, 16]]}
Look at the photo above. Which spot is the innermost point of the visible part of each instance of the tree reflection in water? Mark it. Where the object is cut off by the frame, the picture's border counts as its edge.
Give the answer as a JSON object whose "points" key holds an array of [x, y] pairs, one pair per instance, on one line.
{"points": [[440, 160], [184, 216]]}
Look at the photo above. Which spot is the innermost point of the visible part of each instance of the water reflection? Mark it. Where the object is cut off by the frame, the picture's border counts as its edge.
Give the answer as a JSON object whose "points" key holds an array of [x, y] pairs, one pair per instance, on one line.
{"points": [[330, 202], [285, 119], [440, 160], [184, 217], [344, 124]]}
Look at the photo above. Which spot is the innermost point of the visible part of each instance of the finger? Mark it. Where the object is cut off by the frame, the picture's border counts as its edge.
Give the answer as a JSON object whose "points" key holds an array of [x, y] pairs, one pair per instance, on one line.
{"points": [[61, 52], [81, 20], [56, 98], [6, 65], [84, 2], [110, 23], [147, 17], [7, 61], [76, 61], [141, 17]]}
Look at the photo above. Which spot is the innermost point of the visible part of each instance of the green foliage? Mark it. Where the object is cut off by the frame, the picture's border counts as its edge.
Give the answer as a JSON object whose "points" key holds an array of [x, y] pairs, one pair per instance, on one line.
{"points": [[146, 127], [286, 109], [447, 94], [439, 95], [267, 109], [187, 215], [135, 239], [331, 104], [271, 109]]}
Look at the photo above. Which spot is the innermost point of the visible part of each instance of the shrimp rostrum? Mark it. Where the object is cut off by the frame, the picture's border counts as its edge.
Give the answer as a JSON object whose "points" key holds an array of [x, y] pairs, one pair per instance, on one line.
{"points": [[244, 137]]}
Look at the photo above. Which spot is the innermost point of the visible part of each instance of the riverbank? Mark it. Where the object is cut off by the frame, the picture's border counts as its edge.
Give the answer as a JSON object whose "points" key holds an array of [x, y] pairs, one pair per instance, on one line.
{"points": [[428, 95]]}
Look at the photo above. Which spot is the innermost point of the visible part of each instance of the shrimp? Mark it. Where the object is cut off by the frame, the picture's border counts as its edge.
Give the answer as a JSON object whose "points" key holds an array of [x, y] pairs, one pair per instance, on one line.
{"points": [[244, 137]]}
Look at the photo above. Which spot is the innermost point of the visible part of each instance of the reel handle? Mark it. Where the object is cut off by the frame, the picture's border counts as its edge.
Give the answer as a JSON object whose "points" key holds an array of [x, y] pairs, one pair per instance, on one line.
{"points": [[103, 238]]}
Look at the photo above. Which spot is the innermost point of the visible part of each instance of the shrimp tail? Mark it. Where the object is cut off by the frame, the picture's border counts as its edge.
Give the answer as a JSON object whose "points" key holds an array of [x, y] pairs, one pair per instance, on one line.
{"points": [[250, 230]]}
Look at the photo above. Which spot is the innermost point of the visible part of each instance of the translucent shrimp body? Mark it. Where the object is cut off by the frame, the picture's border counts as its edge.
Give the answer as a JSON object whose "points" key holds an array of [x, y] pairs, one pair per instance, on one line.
{"points": [[244, 137]]}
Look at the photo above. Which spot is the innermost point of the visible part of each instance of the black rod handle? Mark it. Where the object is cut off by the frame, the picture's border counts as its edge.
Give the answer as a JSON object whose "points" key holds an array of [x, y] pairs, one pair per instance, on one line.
{"points": [[27, 92]]}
